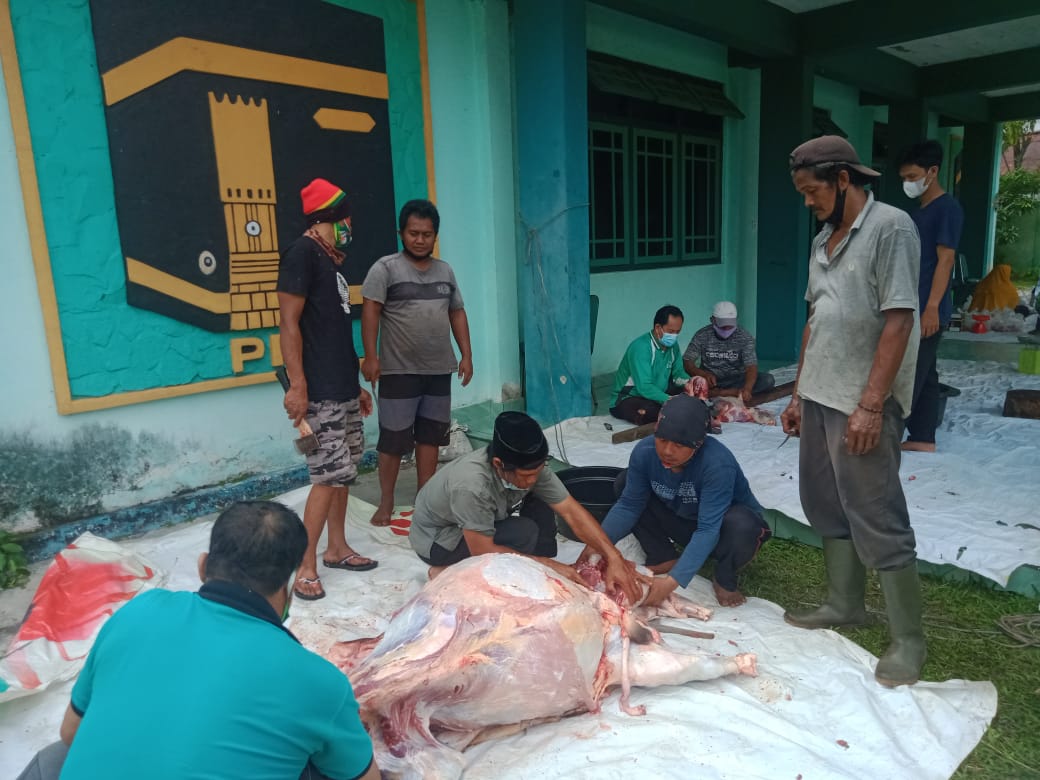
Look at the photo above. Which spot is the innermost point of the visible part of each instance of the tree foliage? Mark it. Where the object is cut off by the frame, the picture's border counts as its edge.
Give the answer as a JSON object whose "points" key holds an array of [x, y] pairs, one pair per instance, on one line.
{"points": [[1019, 194], [1017, 136]]}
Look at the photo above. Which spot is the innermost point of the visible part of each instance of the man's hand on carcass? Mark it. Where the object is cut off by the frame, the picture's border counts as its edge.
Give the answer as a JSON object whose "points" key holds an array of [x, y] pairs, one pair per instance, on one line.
{"points": [[565, 571], [585, 555], [621, 575], [662, 587]]}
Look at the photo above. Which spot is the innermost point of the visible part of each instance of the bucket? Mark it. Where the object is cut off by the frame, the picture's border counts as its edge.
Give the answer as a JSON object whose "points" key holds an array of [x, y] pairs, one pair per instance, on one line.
{"points": [[593, 488], [945, 391]]}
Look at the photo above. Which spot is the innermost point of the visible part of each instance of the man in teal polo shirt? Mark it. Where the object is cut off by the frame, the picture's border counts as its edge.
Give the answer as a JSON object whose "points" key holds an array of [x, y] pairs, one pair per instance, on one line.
{"points": [[183, 685]]}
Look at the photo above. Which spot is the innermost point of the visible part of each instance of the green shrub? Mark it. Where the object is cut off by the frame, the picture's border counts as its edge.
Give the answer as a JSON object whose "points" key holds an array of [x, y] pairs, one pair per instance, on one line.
{"points": [[1019, 194], [14, 569]]}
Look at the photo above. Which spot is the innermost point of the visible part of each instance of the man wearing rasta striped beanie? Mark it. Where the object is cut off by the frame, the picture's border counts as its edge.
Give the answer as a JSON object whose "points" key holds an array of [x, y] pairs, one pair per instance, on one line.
{"points": [[317, 341]]}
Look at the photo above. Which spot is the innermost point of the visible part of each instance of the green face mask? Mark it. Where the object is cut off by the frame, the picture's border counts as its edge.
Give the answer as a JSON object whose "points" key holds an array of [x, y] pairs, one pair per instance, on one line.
{"points": [[288, 597], [341, 234]]}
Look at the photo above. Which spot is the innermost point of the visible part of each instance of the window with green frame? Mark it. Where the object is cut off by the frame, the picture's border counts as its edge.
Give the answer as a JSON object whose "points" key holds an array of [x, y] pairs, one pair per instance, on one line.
{"points": [[655, 166], [655, 198]]}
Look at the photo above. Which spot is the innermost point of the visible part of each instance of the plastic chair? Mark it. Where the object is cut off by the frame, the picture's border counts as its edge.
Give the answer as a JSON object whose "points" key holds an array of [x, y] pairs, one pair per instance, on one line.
{"points": [[961, 287]]}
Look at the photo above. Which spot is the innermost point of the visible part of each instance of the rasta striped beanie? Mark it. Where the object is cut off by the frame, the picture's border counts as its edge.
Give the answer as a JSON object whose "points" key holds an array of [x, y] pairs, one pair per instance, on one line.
{"points": [[323, 201]]}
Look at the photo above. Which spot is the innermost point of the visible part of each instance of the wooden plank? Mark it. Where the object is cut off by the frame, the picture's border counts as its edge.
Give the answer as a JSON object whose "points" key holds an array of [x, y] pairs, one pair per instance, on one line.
{"points": [[1022, 403], [771, 395], [632, 434]]}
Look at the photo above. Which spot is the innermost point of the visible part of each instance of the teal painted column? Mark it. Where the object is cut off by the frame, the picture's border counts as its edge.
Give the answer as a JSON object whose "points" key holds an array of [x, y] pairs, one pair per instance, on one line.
{"points": [[907, 124], [783, 221], [979, 160], [552, 149]]}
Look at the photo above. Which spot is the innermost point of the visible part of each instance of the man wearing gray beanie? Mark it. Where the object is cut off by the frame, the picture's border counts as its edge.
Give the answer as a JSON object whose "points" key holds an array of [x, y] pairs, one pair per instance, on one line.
{"points": [[685, 488]]}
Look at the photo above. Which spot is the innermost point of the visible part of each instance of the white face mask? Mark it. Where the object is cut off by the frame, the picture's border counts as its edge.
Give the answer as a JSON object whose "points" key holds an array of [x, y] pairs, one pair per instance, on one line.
{"points": [[915, 189]]}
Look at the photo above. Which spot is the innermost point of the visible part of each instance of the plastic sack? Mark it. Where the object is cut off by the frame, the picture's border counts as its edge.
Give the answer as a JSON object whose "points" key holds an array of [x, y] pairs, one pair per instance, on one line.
{"points": [[458, 443], [84, 585]]}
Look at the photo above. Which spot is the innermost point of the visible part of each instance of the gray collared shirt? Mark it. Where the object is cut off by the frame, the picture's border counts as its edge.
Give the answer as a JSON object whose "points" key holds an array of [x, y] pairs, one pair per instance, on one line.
{"points": [[467, 495], [873, 269]]}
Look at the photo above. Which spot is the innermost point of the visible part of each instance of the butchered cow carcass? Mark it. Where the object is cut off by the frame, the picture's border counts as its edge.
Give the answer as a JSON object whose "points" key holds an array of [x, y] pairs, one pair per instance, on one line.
{"points": [[499, 642]]}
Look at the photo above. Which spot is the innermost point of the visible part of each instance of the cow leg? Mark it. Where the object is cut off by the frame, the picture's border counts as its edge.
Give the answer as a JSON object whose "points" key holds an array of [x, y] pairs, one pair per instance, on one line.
{"points": [[653, 665]]}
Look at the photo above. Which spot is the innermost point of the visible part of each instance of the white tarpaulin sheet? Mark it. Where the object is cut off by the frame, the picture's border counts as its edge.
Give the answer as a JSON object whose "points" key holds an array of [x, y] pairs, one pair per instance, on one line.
{"points": [[814, 710], [973, 503]]}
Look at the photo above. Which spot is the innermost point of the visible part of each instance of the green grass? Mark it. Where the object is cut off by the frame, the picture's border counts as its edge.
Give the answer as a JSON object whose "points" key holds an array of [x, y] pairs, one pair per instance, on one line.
{"points": [[964, 642]]}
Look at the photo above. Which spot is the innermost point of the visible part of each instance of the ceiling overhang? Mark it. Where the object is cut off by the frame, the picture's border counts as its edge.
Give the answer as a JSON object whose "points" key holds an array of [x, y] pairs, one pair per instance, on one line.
{"points": [[842, 42]]}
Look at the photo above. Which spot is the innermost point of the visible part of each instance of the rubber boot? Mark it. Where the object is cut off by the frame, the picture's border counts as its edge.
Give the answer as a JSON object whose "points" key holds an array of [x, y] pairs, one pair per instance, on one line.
{"points": [[901, 664], [846, 590]]}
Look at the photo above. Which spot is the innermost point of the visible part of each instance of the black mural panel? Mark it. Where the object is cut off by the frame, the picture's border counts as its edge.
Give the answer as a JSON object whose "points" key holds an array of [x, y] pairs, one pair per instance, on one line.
{"points": [[218, 113]]}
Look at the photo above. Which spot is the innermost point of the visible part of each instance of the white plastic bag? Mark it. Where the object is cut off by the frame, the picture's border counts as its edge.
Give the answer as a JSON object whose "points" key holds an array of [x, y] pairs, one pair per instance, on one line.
{"points": [[458, 443]]}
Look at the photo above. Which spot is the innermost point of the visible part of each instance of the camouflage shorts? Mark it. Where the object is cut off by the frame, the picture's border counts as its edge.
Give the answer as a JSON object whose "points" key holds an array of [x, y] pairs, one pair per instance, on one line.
{"points": [[341, 440]]}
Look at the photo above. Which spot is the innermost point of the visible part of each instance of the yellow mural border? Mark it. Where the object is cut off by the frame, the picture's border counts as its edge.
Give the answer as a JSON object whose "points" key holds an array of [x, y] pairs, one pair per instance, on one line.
{"points": [[66, 404]]}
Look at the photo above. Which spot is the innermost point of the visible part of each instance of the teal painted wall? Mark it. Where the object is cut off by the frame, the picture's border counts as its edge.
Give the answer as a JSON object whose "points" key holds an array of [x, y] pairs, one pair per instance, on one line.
{"points": [[110, 346], [843, 103], [629, 299], [471, 87], [55, 467]]}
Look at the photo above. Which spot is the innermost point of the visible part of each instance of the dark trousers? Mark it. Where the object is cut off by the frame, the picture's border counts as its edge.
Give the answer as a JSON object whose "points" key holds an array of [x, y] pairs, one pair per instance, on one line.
{"points": [[857, 497], [532, 531], [924, 409], [763, 382], [659, 530], [47, 764], [639, 410]]}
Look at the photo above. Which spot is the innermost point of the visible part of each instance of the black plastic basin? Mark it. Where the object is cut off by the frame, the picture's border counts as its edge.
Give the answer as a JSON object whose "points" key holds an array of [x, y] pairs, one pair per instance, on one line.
{"points": [[593, 488]]}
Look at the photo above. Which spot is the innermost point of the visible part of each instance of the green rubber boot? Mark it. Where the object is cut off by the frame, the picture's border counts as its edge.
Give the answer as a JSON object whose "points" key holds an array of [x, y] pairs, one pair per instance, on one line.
{"points": [[901, 664], [846, 589]]}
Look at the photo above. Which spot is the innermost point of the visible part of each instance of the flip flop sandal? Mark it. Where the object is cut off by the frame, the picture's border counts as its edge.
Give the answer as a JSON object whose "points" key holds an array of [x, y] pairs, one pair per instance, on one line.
{"points": [[346, 563], [308, 596]]}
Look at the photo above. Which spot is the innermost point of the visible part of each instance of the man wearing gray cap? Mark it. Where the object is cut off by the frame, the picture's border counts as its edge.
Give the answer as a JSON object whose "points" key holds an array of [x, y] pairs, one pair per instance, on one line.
{"points": [[853, 391], [501, 499]]}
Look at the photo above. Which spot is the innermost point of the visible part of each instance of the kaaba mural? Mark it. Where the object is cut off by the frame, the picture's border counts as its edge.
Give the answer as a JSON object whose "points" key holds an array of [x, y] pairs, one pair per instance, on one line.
{"points": [[217, 113]]}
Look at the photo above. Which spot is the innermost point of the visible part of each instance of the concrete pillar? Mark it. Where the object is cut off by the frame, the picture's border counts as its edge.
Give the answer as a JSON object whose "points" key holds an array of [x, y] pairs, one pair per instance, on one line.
{"points": [[783, 221], [552, 149], [907, 124], [979, 161]]}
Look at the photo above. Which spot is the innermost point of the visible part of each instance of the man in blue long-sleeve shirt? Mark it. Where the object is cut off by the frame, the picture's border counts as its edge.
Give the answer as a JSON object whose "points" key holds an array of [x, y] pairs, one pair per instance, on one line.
{"points": [[685, 488]]}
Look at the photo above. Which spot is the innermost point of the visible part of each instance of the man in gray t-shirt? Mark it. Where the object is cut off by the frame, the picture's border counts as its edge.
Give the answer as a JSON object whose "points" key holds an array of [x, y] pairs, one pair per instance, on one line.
{"points": [[412, 308], [724, 355], [502, 499], [853, 392]]}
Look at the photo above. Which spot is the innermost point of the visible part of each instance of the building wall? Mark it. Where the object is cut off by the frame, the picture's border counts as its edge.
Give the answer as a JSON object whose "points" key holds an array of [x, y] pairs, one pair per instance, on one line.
{"points": [[843, 103], [471, 89], [55, 467], [629, 299]]}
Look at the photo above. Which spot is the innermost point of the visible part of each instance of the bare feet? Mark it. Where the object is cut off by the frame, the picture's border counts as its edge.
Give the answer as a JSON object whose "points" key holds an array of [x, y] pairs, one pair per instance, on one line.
{"points": [[728, 598], [381, 517], [918, 446], [435, 570]]}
